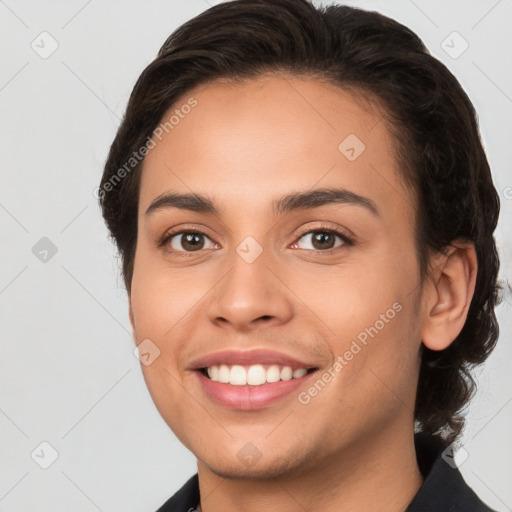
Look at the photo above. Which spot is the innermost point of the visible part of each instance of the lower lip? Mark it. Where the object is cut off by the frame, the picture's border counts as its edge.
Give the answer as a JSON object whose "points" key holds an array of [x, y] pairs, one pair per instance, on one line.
{"points": [[247, 397]]}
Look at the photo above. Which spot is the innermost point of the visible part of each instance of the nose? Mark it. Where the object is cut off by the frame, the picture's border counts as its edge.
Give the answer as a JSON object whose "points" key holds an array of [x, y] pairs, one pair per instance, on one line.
{"points": [[250, 296]]}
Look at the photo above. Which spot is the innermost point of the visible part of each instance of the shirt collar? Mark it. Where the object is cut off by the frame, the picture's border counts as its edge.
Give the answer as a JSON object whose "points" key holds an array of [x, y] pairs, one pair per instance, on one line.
{"points": [[443, 487]]}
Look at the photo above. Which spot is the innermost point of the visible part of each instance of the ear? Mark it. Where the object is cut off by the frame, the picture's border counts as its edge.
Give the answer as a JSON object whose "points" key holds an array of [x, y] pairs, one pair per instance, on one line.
{"points": [[451, 288]]}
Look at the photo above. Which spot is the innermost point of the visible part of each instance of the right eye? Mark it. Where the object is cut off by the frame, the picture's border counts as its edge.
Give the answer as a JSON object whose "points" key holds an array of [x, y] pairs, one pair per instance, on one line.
{"points": [[187, 241]]}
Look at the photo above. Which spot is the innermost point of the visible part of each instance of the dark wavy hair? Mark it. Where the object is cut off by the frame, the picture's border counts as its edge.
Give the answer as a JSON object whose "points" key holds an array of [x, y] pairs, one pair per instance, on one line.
{"points": [[431, 119]]}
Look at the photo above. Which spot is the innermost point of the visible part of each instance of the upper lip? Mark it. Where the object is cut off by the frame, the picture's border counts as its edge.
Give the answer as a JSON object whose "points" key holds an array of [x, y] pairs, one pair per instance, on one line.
{"points": [[248, 358]]}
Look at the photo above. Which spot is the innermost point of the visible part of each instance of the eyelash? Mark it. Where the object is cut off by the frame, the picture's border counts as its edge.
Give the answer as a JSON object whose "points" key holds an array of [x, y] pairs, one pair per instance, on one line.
{"points": [[347, 240]]}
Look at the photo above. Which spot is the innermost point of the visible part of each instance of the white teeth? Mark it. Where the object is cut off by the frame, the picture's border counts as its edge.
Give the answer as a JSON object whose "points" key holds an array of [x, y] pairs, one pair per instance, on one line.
{"points": [[254, 375], [273, 373], [297, 374], [223, 374], [286, 373], [238, 376], [213, 373]]}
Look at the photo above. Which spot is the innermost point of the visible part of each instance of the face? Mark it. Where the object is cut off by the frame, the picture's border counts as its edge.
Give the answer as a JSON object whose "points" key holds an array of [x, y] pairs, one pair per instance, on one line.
{"points": [[282, 297]]}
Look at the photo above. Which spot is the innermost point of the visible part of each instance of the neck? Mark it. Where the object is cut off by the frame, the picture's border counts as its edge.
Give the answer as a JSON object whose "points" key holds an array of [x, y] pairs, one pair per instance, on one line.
{"points": [[377, 474]]}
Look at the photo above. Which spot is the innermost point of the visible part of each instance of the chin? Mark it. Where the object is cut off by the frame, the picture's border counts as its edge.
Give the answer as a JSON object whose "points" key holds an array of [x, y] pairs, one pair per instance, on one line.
{"points": [[258, 467]]}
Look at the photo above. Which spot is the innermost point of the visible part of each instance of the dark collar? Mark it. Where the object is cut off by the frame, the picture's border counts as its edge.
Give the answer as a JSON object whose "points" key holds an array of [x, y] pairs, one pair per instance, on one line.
{"points": [[185, 500], [443, 488]]}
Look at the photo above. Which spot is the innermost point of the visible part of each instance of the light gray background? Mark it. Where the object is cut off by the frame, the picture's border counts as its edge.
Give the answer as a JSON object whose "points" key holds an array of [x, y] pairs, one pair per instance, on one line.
{"points": [[67, 374]]}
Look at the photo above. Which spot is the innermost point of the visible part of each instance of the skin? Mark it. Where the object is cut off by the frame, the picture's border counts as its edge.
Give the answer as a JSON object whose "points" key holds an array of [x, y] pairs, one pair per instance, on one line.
{"points": [[244, 145]]}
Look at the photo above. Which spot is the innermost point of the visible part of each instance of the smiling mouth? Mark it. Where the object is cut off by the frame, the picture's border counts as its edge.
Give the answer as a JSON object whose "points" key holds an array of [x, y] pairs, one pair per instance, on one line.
{"points": [[253, 375]]}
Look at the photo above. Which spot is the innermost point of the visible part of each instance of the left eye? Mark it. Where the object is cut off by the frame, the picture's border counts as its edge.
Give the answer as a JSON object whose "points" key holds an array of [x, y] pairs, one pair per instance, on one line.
{"points": [[322, 240], [190, 241]]}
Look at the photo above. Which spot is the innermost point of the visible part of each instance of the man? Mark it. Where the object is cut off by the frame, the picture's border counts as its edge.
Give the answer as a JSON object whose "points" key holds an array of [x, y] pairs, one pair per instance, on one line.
{"points": [[305, 215]]}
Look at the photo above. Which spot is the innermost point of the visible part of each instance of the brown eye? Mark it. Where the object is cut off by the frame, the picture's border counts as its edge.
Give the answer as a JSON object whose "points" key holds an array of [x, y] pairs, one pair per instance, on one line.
{"points": [[189, 241], [322, 240]]}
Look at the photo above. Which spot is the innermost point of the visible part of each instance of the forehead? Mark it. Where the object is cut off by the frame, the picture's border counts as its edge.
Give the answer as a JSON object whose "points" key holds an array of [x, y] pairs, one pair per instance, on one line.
{"points": [[247, 141]]}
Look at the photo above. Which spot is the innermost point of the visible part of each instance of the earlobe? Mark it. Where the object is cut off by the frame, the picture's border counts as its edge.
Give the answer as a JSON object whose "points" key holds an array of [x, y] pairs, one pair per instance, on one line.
{"points": [[452, 288]]}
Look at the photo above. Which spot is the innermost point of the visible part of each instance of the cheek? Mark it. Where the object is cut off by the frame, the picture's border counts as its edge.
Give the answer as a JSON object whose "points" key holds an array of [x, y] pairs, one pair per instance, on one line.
{"points": [[159, 309], [161, 300], [350, 298], [369, 311]]}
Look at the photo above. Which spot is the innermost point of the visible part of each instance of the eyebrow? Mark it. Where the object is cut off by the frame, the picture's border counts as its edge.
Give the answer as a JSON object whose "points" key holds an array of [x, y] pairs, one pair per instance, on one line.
{"points": [[291, 202]]}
